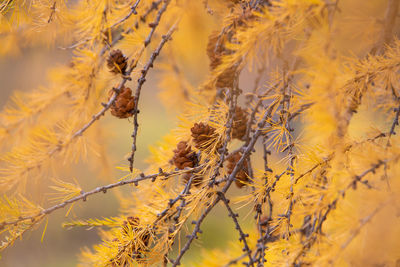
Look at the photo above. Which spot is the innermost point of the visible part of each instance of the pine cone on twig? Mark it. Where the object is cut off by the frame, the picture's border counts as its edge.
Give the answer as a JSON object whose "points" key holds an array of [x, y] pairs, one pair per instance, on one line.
{"points": [[124, 104], [184, 156], [117, 62], [202, 135], [239, 126], [241, 178]]}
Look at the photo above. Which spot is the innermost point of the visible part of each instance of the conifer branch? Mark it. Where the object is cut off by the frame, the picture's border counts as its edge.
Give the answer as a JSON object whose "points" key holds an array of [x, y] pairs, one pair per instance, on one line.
{"points": [[172, 202], [332, 205], [101, 189], [142, 79], [248, 148], [232, 99], [243, 236], [302, 180]]}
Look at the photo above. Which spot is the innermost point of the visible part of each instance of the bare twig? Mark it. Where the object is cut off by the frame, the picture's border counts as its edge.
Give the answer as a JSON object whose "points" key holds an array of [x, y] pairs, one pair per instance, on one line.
{"points": [[236, 260], [172, 202], [234, 216], [132, 11], [325, 161], [141, 81], [394, 124], [196, 230]]}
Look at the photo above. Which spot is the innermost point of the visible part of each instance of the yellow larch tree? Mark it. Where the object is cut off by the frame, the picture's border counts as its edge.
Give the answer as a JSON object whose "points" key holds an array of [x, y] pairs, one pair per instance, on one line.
{"points": [[285, 111]]}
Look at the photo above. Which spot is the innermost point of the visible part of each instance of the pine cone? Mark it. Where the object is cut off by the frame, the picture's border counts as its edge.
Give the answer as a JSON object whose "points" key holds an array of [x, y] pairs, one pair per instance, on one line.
{"points": [[124, 104], [239, 126], [202, 135], [184, 156], [241, 177], [117, 62]]}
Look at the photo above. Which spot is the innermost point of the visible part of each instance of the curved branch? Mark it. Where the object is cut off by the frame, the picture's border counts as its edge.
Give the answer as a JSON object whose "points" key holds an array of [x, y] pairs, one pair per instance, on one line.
{"points": [[83, 196]]}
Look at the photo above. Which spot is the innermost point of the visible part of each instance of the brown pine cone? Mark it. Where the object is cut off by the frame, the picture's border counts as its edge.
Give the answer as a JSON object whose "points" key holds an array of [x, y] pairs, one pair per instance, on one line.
{"points": [[124, 104], [202, 134], [239, 126], [241, 177], [117, 62], [184, 156]]}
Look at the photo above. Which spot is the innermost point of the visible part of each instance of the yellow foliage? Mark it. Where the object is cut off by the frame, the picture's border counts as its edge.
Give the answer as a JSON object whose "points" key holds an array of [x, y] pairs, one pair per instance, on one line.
{"points": [[296, 103]]}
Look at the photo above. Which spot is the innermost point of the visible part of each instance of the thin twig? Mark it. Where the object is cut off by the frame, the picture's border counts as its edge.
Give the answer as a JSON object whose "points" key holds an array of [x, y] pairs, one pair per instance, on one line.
{"points": [[172, 202], [196, 230], [53, 11], [394, 124], [234, 216], [132, 11], [236, 260], [140, 83]]}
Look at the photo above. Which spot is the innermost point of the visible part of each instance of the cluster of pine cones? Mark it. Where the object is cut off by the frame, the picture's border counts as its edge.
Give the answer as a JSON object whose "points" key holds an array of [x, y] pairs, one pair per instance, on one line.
{"points": [[204, 136], [124, 104]]}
